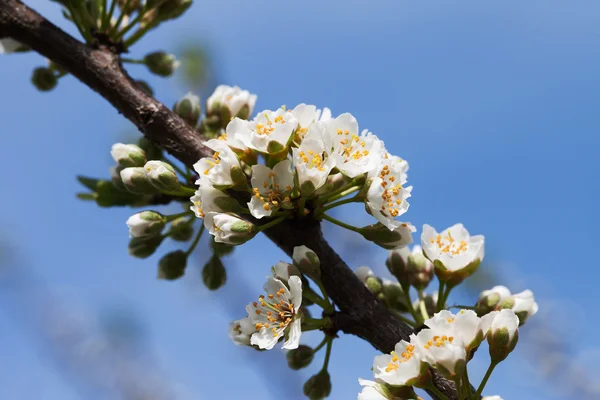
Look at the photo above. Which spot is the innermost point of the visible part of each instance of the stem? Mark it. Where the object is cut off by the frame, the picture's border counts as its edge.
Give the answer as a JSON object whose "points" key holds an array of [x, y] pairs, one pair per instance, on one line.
{"points": [[315, 298], [196, 240], [338, 203], [465, 307], [115, 29], [175, 167], [488, 373], [77, 21], [403, 318], [447, 294], [435, 391], [182, 192], [108, 15], [131, 24], [440, 301], [175, 216], [103, 14], [466, 385], [327, 354], [329, 306], [132, 60], [422, 306], [320, 346], [411, 309], [270, 224], [459, 392], [326, 198], [139, 34], [340, 223]]}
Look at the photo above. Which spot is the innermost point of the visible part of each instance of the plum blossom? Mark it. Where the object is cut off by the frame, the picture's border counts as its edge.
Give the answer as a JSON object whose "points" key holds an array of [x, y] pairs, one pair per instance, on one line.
{"points": [[271, 188]]}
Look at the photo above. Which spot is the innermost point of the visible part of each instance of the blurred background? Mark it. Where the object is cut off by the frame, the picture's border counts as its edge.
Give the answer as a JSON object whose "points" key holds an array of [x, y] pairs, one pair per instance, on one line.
{"points": [[494, 104]]}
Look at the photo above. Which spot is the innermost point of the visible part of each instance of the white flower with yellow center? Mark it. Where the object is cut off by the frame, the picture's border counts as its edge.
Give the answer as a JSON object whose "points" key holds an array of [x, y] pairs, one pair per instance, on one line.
{"points": [[234, 98], [403, 367], [269, 132], [205, 200], [237, 134], [354, 153], [228, 228], [442, 351], [241, 330], [271, 188], [306, 115], [387, 197], [524, 305], [374, 391], [277, 314], [311, 160], [216, 170], [465, 325], [454, 253]]}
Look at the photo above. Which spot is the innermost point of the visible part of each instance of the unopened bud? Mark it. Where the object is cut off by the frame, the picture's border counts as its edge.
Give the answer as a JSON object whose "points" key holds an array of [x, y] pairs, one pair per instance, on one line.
{"points": [[307, 262], [143, 247], [318, 386], [172, 9], [524, 305], [214, 274], [283, 271], [189, 108], [393, 296], [363, 273], [135, 181], [221, 249], [300, 357], [146, 223], [162, 175], [44, 79], [397, 264], [228, 228], [152, 151], [228, 102], [490, 300], [128, 155], [420, 269], [388, 239], [503, 334], [374, 284], [115, 176], [161, 63], [181, 230], [172, 265]]}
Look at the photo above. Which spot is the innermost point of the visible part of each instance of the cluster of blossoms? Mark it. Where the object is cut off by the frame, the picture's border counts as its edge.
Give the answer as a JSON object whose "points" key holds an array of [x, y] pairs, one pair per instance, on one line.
{"points": [[294, 161], [447, 345]]}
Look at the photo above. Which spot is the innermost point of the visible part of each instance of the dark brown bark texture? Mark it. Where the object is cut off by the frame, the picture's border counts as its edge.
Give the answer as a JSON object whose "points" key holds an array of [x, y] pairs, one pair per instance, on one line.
{"points": [[98, 67]]}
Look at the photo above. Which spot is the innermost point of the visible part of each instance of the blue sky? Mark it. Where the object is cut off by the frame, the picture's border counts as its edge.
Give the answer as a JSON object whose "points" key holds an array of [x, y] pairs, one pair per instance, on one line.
{"points": [[493, 103]]}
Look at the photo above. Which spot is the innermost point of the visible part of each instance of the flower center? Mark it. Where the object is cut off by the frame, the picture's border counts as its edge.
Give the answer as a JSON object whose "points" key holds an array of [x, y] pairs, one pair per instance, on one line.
{"points": [[267, 128], [351, 146], [391, 195], [438, 341], [198, 205], [406, 355], [274, 195], [276, 311], [211, 163], [312, 160], [448, 245]]}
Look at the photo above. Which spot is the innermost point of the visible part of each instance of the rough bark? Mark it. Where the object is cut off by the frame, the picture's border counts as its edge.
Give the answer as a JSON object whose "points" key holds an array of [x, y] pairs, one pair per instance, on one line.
{"points": [[100, 69]]}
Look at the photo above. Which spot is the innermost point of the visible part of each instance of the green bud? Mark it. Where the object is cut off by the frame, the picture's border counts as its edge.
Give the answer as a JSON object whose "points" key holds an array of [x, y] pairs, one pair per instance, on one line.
{"points": [[244, 112], [162, 176], [172, 9], [189, 109], [300, 358], [214, 274], [393, 296], [307, 188], [153, 152], [135, 181], [172, 265], [420, 269], [389, 240], [143, 247], [240, 180], [115, 176], [307, 262], [145, 86], [221, 249], [318, 386], [161, 63], [397, 264], [374, 284], [44, 79], [146, 223], [274, 147], [508, 303], [181, 230], [128, 155]]}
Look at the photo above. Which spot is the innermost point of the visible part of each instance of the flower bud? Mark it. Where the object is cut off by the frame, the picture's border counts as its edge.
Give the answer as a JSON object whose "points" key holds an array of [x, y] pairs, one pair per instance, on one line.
{"points": [[152, 151], [430, 303], [146, 223], [172, 265], [162, 175], [393, 296], [173, 8], [134, 179], [128, 155], [283, 271], [374, 284], [143, 247], [181, 230], [420, 269], [228, 228], [161, 63], [389, 240], [115, 176], [145, 87], [397, 264], [489, 300], [228, 102], [300, 357], [318, 386], [44, 79], [503, 333], [221, 249], [308, 262], [363, 273], [189, 108], [214, 274]]}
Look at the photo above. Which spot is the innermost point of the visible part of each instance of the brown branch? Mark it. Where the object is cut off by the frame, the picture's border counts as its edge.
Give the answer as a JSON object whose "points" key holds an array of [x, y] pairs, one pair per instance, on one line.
{"points": [[100, 69]]}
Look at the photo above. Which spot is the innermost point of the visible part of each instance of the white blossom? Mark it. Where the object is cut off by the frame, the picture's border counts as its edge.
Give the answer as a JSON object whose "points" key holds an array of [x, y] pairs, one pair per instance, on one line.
{"points": [[234, 98], [387, 197], [205, 201], [241, 330], [442, 351], [454, 249], [373, 391], [502, 331], [400, 368], [283, 271], [524, 305], [8, 45], [308, 114], [311, 160], [269, 132], [465, 326], [145, 223], [354, 153], [363, 273], [216, 170], [228, 228], [271, 188], [277, 314]]}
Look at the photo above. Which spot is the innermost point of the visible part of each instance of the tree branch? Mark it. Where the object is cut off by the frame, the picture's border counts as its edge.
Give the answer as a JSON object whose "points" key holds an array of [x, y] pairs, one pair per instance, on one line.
{"points": [[100, 69]]}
